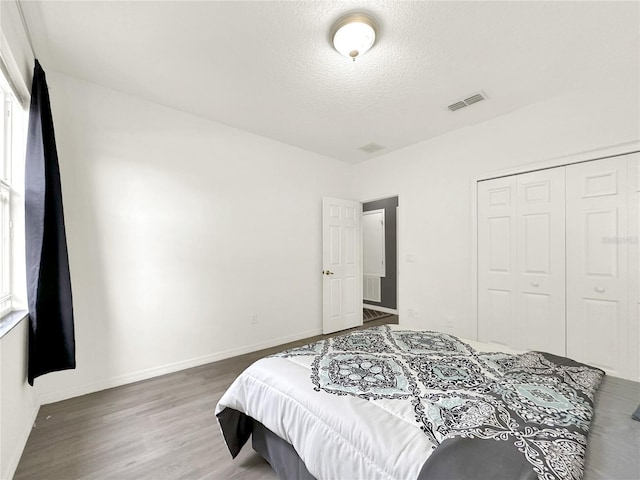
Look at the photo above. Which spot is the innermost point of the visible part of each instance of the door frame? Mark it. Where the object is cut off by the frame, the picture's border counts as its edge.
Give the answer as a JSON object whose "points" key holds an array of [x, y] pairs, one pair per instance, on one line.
{"points": [[560, 161], [399, 224]]}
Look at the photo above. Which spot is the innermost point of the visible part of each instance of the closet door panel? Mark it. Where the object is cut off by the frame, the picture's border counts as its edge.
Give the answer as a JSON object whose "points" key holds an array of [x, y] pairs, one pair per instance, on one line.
{"points": [[598, 264], [496, 260], [540, 246], [634, 265]]}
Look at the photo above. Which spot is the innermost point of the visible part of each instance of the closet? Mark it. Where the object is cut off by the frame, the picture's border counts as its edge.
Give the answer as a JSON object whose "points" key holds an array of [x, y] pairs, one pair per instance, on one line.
{"points": [[558, 262]]}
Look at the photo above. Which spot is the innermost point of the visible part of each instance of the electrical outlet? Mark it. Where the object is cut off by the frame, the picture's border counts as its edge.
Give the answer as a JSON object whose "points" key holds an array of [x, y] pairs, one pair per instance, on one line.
{"points": [[410, 258], [448, 322], [412, 312], [254, 319]]}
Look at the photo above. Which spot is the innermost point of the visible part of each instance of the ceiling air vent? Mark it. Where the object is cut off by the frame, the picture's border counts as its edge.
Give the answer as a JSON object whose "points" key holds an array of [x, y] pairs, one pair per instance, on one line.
{"points": [[457, 106], [478, 97], [371, 147]]}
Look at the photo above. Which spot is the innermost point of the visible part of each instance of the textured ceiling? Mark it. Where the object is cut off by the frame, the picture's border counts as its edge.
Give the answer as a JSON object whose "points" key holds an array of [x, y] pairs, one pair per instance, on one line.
{"points": [[268, 68]]}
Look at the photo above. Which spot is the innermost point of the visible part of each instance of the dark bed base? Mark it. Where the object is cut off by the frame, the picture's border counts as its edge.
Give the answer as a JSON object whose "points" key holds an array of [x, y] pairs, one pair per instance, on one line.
{"points": [[280, 454]]}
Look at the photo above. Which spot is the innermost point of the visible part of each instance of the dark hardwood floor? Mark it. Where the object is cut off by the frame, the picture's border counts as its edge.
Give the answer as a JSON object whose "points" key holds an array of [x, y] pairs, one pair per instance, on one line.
{"points": [[161, 428]]}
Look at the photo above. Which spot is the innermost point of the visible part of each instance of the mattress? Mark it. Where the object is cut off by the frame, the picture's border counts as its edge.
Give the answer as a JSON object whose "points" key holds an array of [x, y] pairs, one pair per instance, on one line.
{"points": [[393, 403]]}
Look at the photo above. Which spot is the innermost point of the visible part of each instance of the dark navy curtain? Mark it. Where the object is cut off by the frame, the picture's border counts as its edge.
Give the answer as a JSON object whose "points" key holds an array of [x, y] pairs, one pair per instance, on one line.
{"points": [[51, 335]]}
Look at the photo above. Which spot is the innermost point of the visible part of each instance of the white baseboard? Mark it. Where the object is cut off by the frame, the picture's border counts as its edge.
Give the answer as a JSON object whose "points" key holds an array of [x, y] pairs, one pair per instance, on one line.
{"points": [[380, 309], [18, 446], [79, 390]]}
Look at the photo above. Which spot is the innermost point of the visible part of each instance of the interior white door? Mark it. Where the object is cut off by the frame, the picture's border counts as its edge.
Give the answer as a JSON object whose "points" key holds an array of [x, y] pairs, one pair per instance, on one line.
{"points": [[598, 264], [497, 260], [342, 264], [634, 262], [540, 247]]}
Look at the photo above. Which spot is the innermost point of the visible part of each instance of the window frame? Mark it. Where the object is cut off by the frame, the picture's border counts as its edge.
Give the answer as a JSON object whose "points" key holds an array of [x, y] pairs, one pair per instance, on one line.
{"points": [[5, 207], [7, 197]]}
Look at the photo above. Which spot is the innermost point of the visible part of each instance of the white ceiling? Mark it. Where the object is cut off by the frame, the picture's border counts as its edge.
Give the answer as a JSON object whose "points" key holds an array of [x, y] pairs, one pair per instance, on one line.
{"points": [[268, 68]]}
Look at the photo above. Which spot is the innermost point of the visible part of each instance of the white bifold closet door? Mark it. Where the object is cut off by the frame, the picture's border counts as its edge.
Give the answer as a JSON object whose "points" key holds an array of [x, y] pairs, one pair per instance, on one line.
{"points": [[559, 262], [521, 261], [599, 326], [540, 246], [497, 260]]}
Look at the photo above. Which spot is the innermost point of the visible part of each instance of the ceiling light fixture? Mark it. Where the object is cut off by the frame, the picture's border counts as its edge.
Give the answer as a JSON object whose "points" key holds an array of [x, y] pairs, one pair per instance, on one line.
{"points": [[354, 34]]}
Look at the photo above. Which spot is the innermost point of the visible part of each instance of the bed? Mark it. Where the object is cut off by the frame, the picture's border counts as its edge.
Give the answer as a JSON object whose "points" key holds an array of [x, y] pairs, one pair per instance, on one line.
{"points": [[392, 403]]}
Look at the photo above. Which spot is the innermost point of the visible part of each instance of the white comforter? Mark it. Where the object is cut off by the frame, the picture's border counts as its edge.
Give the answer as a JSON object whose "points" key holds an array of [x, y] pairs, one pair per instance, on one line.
{"points": [[337, 437]]}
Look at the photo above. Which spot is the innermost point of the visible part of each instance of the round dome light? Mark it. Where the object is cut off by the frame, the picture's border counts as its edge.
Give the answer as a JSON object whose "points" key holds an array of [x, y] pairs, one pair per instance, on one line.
{"points": [[354, 34]]}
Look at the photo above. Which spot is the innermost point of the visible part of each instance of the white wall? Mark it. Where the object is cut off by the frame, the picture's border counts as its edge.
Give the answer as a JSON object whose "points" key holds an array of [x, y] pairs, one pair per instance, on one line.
{"points": [[179, 230], [433, 181], [18, 401]]}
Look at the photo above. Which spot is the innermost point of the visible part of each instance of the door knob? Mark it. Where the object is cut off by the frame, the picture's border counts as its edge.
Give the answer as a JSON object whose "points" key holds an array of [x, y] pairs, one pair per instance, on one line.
{"points": [[535, 284], [327, 272], [600, 289]]}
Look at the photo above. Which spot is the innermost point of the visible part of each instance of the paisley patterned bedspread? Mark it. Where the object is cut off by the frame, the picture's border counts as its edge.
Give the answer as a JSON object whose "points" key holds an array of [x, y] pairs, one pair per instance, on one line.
{"points": [[480, 414]]}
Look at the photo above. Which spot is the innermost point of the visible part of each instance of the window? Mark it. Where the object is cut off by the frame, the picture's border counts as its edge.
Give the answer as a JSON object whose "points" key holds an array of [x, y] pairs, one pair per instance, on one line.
{"points": [[11, 155]]}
